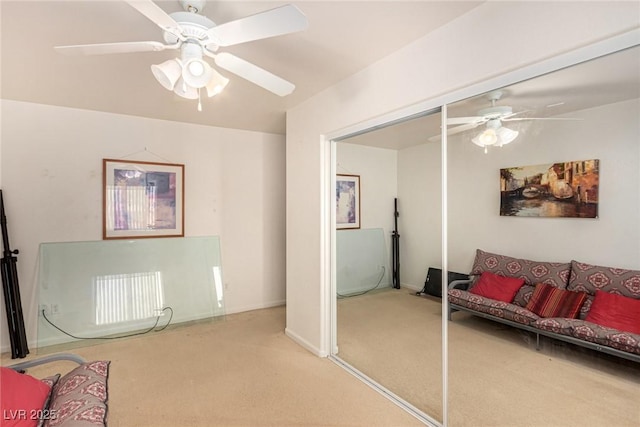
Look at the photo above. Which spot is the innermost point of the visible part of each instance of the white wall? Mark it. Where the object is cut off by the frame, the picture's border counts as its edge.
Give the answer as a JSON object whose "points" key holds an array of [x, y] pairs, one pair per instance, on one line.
{"points": [[51, 176], [609, 133], [378, 171], [419, 188], [492, 39]]}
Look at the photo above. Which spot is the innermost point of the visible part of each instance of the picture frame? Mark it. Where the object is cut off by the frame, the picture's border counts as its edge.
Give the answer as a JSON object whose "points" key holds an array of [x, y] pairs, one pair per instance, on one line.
{"points": [[347, 202], [142, 199], [567, 189]]}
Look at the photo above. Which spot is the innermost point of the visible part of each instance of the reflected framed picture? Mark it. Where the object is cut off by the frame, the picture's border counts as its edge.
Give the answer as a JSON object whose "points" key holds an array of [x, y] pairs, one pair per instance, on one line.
{"points": [[347, 202], [557, 190], [142, 199]]}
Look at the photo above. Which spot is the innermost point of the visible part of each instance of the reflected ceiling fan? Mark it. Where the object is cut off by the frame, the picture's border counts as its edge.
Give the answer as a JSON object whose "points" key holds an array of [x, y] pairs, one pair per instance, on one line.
{"points": [[493, 118], [196, 36]]}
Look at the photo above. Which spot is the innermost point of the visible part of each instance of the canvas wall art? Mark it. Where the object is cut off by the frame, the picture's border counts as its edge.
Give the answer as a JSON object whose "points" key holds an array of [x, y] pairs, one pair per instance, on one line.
{"points": [[568, 189]]}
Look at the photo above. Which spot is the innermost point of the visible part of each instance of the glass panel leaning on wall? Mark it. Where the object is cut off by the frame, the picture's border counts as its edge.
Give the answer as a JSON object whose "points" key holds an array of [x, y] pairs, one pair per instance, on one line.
{"points": [[91, 291]]}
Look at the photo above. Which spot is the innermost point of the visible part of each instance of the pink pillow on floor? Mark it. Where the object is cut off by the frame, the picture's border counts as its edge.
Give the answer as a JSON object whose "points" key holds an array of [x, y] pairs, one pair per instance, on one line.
{"points": [[497, 287], [22, 398]]}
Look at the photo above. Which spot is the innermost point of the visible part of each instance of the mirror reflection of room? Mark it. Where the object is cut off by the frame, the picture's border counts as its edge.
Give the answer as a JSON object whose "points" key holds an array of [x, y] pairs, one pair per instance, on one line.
{"points": [[542, 187], [549, 218], [387, 328]]}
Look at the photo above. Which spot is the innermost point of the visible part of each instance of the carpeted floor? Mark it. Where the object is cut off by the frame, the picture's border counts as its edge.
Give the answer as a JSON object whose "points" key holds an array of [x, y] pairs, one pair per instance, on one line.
{"points": [[242, 371], [496, 377]]}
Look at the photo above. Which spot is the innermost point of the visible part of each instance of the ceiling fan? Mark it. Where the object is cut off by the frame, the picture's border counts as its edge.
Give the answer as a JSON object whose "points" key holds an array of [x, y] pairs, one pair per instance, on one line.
{"points": [[196, 36], [492, 117]]}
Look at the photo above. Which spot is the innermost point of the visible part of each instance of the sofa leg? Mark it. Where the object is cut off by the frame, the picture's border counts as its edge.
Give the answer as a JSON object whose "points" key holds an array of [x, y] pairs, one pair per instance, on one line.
{"points": [[537, 342]]}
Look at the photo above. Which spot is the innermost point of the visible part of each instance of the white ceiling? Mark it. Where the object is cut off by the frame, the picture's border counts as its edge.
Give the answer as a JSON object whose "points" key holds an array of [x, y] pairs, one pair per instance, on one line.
{"points": [[343, 37], [606, 80]]}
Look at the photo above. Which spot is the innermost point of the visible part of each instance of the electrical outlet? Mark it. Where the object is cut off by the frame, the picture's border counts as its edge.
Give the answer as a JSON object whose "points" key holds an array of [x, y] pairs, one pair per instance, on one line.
{"points": [[45, 308], [55, 309]]}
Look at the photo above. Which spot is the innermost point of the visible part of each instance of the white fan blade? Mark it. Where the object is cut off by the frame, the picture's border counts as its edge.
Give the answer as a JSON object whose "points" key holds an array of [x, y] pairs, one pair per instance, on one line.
{"points": [[464, 120], [463, 128], [455, 130], [158, 16], [254, 74], [276, 22], [508, 116], [107, 48], [515, 119]]}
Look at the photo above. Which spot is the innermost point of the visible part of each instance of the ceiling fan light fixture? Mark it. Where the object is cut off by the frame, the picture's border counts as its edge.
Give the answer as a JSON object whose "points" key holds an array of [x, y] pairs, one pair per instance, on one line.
{"points": [[506, 135], [216, 84], [197, 35], [486, 137], [184, 90], [197, 73], [167, 73]]}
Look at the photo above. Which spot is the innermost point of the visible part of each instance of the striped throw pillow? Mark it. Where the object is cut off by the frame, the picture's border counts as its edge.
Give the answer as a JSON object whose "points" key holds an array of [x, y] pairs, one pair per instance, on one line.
{"points": [[549, 301]]}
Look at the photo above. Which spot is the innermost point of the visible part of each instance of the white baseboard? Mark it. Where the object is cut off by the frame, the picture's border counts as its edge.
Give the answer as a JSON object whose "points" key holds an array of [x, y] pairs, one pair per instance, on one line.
{"points": [[353, 291], [61, 339], [412, 287], [255, 306], [116, 329], [304, 343], [30, 345]]}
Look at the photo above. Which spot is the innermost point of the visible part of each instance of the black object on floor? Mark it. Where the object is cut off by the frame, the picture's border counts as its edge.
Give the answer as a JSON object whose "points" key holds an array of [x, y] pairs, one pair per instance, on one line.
{"points": [[433, 282], [11, 289], [395, 248]]}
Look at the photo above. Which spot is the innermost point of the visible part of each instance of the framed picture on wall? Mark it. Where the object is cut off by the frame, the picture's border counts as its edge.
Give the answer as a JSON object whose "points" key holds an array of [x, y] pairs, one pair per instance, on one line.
{"points": [[142, 199], [347, 201], [558, 190]]}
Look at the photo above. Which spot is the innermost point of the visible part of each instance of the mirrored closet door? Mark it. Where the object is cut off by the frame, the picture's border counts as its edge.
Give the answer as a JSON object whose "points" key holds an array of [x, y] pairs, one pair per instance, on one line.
{"points": [[546, 169], [563, 186], [390, 178]]}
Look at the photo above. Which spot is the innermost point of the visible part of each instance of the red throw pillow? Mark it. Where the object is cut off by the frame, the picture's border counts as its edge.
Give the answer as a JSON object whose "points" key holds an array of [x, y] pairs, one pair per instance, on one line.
{"points": [[497, 287], [22, 398], [615, 311], [550, 301]]}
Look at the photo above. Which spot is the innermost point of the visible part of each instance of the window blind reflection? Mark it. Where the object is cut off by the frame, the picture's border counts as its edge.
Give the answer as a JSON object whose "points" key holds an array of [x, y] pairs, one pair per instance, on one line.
{"points": [[126, 297]]}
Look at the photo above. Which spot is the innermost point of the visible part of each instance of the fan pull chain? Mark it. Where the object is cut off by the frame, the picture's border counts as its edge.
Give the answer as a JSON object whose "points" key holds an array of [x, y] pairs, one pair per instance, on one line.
{"points": [[199, 101]]}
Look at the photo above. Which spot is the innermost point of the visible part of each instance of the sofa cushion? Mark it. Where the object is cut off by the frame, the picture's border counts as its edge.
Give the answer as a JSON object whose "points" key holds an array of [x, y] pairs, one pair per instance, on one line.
{"points": [[590, 278], [500, 309], [615, 311], [603, 335], [497, 287], [51, 381], [22, 398], [80, 397], [523, 296], [549, 301], [552, 273], [586, 307], [587, 331], [559, 325]]}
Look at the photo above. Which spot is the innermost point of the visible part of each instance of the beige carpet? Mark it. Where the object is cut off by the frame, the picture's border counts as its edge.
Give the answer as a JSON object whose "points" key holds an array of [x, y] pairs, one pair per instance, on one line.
{"points": [[242, 371], [496, 377]]}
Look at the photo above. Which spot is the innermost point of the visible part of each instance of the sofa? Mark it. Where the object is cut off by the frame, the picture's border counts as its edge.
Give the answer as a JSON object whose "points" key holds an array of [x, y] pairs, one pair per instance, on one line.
{"points": [[588, 305], [76, 399]]}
